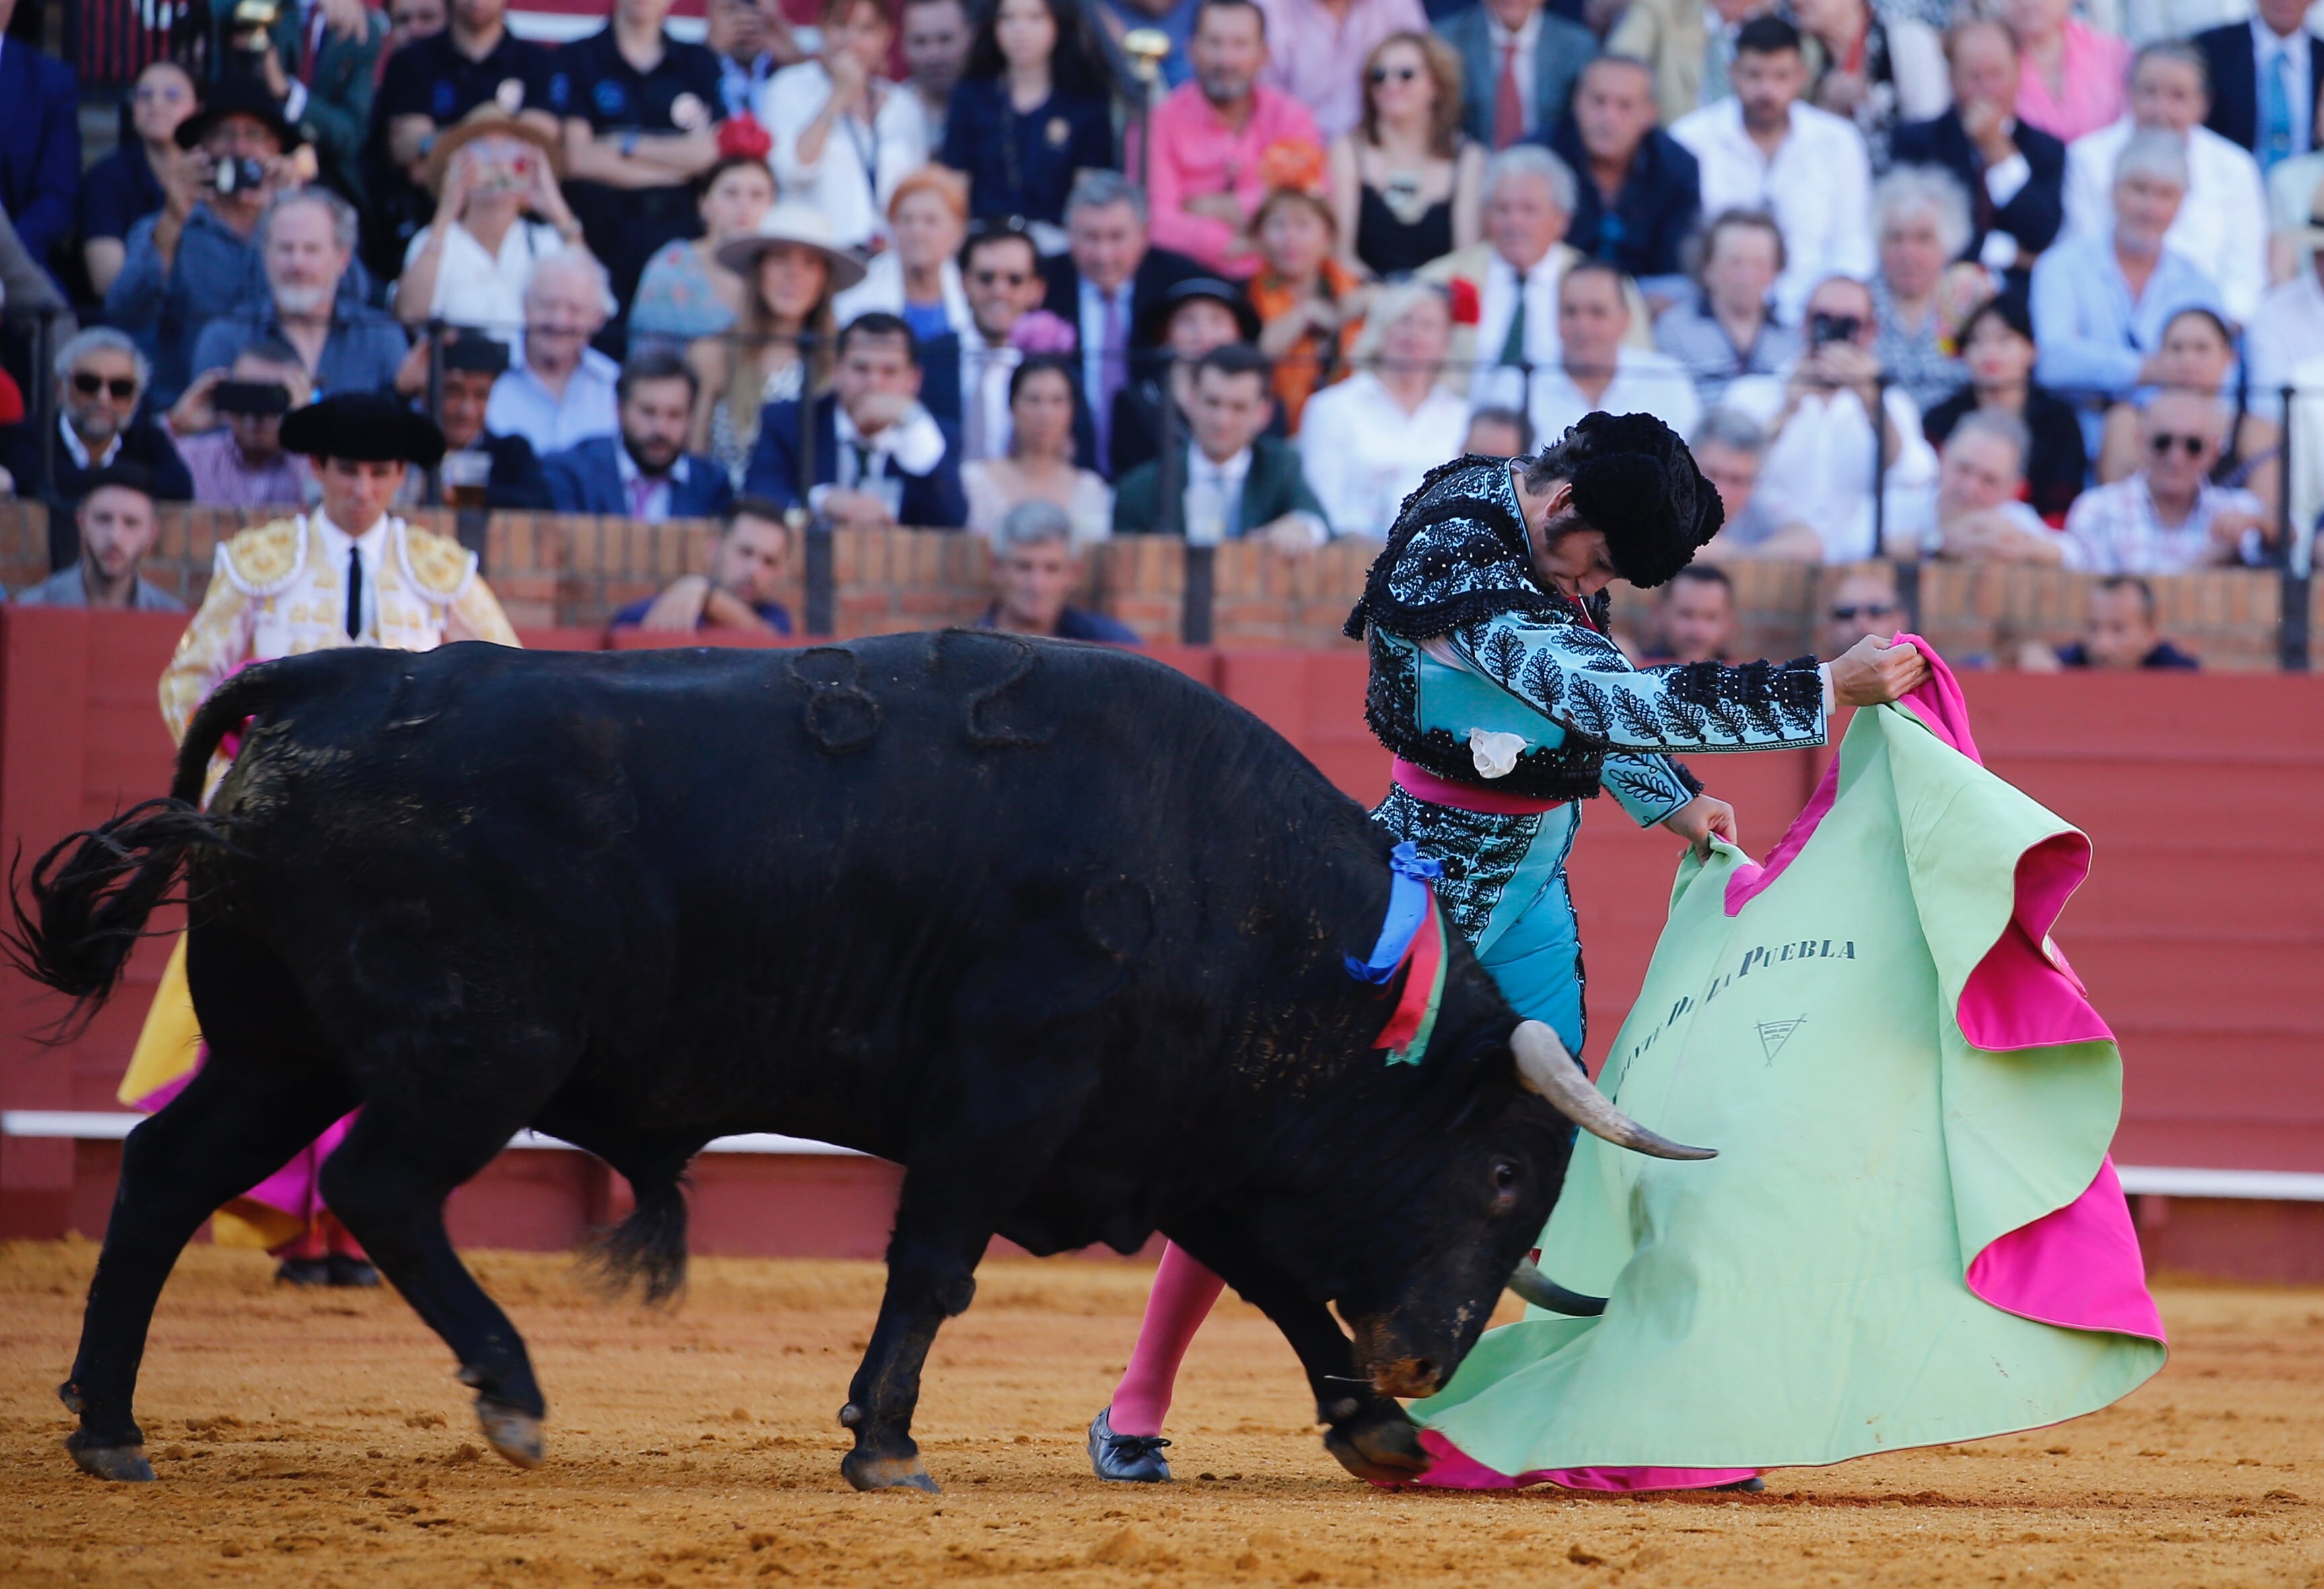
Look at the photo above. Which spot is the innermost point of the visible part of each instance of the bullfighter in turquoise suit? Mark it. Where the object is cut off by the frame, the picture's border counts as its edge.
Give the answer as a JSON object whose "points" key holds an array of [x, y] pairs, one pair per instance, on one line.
{"points": [[1494, 683]]}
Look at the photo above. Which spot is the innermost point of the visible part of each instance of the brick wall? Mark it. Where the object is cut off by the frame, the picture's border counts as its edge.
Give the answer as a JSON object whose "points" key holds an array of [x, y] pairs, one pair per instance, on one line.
{"points": [[570, 571]]}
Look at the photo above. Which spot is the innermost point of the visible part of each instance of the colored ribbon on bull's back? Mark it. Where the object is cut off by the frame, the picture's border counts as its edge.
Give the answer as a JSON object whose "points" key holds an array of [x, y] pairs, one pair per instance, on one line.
{"points": [[1411, 940]]}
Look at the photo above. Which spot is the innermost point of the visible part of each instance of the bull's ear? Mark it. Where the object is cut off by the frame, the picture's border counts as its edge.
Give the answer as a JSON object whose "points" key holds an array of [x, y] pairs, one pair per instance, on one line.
{"points": [[1545, 1067]]}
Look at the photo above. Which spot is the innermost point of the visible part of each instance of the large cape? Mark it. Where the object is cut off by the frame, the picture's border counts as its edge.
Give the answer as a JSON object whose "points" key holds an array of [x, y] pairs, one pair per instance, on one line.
{"points": [[1912, 1233]]}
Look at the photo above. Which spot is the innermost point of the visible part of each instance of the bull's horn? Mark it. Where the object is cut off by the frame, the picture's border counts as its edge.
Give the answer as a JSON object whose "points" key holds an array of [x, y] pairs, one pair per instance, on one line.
{"points": [[1536, 1288], [1545, 1067]]}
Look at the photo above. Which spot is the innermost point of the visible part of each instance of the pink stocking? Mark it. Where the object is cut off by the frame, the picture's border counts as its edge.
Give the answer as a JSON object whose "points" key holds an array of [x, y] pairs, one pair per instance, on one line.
{"points": [[1183, 1294]]}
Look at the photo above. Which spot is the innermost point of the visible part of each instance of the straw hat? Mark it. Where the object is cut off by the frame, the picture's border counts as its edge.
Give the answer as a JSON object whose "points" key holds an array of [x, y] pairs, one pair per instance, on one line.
{"points": [[488, 120], [799, 225]]}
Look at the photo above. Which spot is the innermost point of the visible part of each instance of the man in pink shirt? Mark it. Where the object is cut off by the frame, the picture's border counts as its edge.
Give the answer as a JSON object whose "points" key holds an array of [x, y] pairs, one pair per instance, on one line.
{"points": [[1211, 137], [1316, 51]]}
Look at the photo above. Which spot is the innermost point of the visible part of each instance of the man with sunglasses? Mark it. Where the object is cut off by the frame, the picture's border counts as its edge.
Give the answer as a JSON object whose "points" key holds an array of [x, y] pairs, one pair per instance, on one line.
{"points": [[2169, 517], [101, 380], [965, 378]]}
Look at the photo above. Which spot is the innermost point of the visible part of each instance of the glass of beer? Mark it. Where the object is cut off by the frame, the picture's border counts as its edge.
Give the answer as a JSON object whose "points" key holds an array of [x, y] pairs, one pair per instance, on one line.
{"points": [[466, 475]]}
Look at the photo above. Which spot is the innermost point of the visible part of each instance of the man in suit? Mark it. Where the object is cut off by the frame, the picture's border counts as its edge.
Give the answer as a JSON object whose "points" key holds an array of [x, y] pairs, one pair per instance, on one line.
{"points": [[645, 471], [102, 381], [878, 458], [40, 143], [2265, 74], [1106, 284], [322, 61], [1232, 481], [2015, 174], [965, 380], [1518, 63], [1639, 193]]}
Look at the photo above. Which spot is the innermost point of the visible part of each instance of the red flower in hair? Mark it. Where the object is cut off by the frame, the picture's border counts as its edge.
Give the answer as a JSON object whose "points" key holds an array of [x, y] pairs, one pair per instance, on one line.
{"points": [[1467, 308], [743, 137]]}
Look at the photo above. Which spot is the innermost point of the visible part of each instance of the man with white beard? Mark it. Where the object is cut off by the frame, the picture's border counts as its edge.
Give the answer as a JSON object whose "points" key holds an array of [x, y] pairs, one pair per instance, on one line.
{"points": [[306, 241]]}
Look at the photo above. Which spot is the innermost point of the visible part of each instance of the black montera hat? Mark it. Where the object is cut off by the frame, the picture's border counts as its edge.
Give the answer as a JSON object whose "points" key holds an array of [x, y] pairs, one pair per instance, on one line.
{"points": [[238, 96], [369, 426], [475, 353], [1635, 480]]}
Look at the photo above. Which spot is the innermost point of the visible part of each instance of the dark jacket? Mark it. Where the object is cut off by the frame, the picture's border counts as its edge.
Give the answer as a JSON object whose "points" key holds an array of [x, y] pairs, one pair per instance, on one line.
{"points": [[142, 444], [40, 146], [2061, 461], [1560, 53], [940, 390], [587, 479], [2235, 81], [1021, 164], [2032, 213], [516, 480], [1161, 270], [933, 501], [1652, 216], [2164, 655], [1276, 486], [1137, 432]]}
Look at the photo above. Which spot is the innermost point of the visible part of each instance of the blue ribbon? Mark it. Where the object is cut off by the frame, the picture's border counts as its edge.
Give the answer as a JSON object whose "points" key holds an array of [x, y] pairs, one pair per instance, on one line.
{"points": [[1407, 907]]}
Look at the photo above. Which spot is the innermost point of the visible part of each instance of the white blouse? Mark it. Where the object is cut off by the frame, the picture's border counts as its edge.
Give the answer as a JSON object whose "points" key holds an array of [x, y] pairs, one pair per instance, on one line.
{"points": [[486, 291]]}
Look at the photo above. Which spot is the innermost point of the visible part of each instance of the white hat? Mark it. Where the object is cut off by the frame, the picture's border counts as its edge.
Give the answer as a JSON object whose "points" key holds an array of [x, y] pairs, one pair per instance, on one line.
{"points": [[802, 224]]}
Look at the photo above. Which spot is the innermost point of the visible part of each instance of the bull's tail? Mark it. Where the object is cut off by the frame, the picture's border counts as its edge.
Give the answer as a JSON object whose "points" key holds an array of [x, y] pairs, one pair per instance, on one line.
{"points": [[91, 892], [647, 1249]]}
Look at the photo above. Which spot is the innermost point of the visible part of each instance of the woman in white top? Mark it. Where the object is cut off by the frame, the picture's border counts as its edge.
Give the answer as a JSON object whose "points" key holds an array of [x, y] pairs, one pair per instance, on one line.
{"points": [[780, 346], [1365, 442], [844, 136], [916, 278], [492, 175], [1040, 460]]}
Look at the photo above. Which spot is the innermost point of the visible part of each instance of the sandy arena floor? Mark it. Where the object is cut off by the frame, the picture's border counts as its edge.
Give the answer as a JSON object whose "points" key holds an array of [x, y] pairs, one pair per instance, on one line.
{"points": [[319, 1439]]}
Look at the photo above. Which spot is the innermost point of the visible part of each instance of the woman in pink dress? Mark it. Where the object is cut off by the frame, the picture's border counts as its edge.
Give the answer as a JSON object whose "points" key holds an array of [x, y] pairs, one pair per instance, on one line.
{"points": [[2072, 78]]}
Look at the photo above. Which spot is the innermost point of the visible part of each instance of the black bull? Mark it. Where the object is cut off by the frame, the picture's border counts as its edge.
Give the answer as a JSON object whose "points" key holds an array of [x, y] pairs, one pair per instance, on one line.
{"points": [[1056, 929]]}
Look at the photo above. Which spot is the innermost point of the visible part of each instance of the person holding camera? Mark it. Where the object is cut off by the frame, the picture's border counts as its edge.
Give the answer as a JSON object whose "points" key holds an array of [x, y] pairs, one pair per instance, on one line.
{"points": [[319, 60], [499, 212], [1828, 413], [228, 427], [196, 260]]}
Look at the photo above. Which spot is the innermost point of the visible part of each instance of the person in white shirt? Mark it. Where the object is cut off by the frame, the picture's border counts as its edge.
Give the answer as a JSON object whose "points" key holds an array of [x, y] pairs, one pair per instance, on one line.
{"points": [[1365, 442], [2288, 330], [844, 135], [1596, 370], [1976, 512], [1765, 149], [561, 390], [1817, 478], [2222, 224], [1529, 198], [499, 212], [1001, 270]]}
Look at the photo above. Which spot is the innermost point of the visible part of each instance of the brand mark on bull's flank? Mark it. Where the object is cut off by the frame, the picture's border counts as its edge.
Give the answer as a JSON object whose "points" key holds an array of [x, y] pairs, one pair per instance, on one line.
{"points": [[1775, 1034]]}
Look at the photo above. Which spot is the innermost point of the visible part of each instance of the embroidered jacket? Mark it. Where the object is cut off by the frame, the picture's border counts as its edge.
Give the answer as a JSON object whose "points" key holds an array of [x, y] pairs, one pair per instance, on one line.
{"points": [[276, 592], [1482, 677]]}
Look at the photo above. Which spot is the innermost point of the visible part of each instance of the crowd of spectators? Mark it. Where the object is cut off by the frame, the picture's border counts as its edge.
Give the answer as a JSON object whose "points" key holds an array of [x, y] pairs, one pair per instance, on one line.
{"points": [[2021, 282]]}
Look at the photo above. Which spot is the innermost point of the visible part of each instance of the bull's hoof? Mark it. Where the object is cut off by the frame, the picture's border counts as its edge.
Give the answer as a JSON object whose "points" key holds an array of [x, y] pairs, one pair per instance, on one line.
{"points": [[515, 1434], [123, 1465], [887, 1473], [1383, 1446]]}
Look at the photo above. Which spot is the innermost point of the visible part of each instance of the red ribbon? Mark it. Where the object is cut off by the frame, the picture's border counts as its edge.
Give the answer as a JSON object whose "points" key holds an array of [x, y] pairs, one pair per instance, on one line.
{"points": [[1420, 962]]}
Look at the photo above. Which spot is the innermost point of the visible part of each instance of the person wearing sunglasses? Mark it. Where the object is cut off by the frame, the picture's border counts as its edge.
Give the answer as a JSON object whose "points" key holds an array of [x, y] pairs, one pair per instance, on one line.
{"points": [[966, 376], [101, 381], [2169, 517], [1406, 185], [1864, 606]]}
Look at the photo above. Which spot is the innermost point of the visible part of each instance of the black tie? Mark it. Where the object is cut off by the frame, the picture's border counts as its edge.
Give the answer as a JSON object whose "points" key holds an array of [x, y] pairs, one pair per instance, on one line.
{"points": [[354, 594]]}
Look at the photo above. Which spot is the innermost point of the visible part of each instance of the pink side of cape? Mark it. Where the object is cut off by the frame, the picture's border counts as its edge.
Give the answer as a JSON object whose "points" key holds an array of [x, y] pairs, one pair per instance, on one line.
{"points": [[2079, 1266], [1451, 1468]]}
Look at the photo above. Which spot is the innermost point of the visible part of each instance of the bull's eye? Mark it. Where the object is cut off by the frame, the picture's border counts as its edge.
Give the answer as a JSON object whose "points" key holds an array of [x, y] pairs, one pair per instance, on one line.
{"points": [[1505, 1176]]}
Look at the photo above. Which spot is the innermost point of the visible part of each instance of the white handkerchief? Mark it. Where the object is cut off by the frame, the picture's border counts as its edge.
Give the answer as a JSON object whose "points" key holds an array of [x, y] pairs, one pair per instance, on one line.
{"points": [[1496, 754]]}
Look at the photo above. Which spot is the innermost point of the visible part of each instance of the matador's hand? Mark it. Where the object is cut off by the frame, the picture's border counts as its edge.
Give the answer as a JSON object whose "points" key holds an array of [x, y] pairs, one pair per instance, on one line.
{"points": [[1700, 819], [1875, 672]]}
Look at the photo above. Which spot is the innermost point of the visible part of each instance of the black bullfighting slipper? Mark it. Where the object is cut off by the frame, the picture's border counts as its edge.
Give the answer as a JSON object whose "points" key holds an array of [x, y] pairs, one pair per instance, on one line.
{"points": [[1135, 1459], [303, 1271], [350, 1271]]}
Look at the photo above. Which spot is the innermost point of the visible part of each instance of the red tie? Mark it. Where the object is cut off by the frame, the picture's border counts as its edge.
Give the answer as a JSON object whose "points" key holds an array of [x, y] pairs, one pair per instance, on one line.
{"points": [[1509, 108]]}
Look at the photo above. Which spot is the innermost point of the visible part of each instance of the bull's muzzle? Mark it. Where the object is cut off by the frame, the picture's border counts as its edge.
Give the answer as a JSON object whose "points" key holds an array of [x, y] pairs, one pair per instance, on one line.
{"points": [[1545, 1067], [1389, 1359]]}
